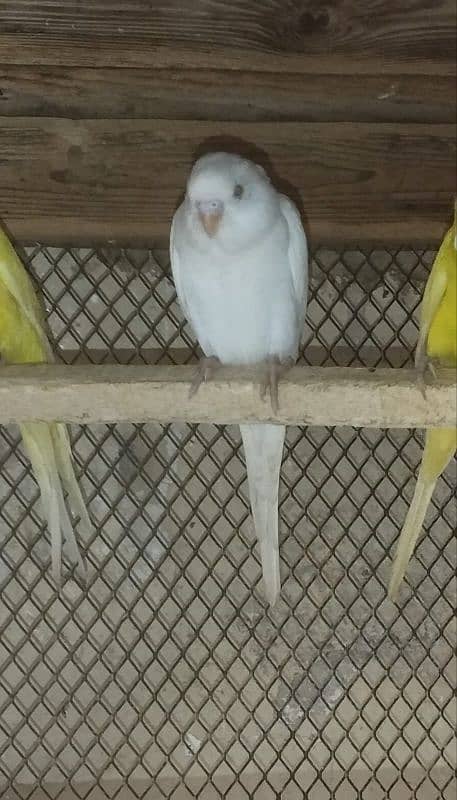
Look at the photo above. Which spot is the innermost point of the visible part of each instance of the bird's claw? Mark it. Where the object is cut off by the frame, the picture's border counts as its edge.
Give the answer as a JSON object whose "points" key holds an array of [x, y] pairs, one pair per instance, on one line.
{"points": [[275, 369], [423, 366], [206, 368]]}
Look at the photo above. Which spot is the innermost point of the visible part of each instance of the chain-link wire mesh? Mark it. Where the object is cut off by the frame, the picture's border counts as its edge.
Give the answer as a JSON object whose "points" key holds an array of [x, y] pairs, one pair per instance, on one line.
{"points": [[167, 676]]}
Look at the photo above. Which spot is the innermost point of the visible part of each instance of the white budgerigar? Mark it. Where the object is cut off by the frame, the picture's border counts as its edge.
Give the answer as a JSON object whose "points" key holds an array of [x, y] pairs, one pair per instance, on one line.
{"points": [[240, 264]]}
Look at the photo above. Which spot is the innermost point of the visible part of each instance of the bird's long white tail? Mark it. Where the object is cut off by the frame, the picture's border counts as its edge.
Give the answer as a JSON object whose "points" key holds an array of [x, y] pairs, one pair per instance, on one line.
{"points": [[410, 531], [263, 447], [48, 449]]}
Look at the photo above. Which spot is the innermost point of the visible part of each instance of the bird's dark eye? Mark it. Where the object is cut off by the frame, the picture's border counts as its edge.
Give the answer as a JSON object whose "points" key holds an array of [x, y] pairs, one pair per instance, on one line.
{"points": [[238, 191]]}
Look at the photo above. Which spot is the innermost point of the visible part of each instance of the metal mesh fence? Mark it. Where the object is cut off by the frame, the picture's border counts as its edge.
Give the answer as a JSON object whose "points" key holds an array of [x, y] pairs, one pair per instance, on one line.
{"points": [[167, 676]]}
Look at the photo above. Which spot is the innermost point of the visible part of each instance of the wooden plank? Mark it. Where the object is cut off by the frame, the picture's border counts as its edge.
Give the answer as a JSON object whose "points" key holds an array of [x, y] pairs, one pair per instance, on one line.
{"points": [[67, 181], [220, 95], [308, 396], [37, 49], [271, 34]]}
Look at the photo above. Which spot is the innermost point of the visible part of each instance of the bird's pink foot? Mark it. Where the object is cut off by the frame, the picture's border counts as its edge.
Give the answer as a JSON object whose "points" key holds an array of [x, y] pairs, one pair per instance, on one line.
{"points": [[274, 370], [206, 368]]}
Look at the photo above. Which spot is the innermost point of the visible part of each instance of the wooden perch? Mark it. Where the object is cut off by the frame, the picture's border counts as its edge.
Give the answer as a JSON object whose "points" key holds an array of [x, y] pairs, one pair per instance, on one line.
{"points": [[359, 397]]}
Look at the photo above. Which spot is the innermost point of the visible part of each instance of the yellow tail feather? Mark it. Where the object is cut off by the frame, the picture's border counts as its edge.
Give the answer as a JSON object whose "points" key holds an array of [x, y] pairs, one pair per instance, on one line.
{"points": [[410, 532], [62, 450], [53, 472]]}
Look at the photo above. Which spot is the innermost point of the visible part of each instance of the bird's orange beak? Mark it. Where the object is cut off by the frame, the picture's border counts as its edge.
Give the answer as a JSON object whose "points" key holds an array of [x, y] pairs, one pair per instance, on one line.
{"points": [[211, 223], [210, 213]]}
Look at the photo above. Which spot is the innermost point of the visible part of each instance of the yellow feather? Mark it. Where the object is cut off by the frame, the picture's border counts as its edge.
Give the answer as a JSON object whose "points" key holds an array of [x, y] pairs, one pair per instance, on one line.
{"points": [[437, 341], [23, 340], [21, 317]]}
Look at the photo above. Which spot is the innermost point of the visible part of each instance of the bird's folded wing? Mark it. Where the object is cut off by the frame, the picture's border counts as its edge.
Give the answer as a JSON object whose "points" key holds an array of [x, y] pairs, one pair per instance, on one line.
{"points": [[297, 257], [17, 282]]}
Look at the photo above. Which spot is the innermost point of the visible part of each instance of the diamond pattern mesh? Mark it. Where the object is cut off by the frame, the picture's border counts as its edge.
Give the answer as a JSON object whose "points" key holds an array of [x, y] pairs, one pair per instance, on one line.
{"points": [[167, 677]]}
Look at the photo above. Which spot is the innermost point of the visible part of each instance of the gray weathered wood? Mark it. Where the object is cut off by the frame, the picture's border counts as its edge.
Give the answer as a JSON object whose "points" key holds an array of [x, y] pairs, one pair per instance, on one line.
{"points": [[80, 181], [217, 94], [331, 36], [308, 396]]}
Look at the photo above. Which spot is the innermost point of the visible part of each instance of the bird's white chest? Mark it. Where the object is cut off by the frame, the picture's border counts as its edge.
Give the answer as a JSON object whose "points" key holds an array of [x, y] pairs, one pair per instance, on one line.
{"points": [[243, 308]]}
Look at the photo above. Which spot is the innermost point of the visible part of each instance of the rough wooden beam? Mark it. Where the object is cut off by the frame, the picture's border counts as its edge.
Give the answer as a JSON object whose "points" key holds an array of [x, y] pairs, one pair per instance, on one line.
{"points": [[308, 396], [86, 50], [217, 94], [66, 181], [417, 34]]}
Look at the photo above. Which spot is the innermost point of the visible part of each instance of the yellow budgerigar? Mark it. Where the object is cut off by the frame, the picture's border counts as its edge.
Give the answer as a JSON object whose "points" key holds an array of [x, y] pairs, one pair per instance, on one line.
{"points": [[437, 345], [23, 341]]}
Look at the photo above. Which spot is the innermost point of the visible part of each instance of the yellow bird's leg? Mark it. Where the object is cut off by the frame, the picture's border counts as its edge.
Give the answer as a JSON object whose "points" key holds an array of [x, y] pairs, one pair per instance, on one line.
{"points": [[425, 364]]}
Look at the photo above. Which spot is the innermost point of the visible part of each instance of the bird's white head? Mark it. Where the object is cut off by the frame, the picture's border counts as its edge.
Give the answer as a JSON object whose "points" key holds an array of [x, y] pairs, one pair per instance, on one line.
{"points": [[230, 200]]}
